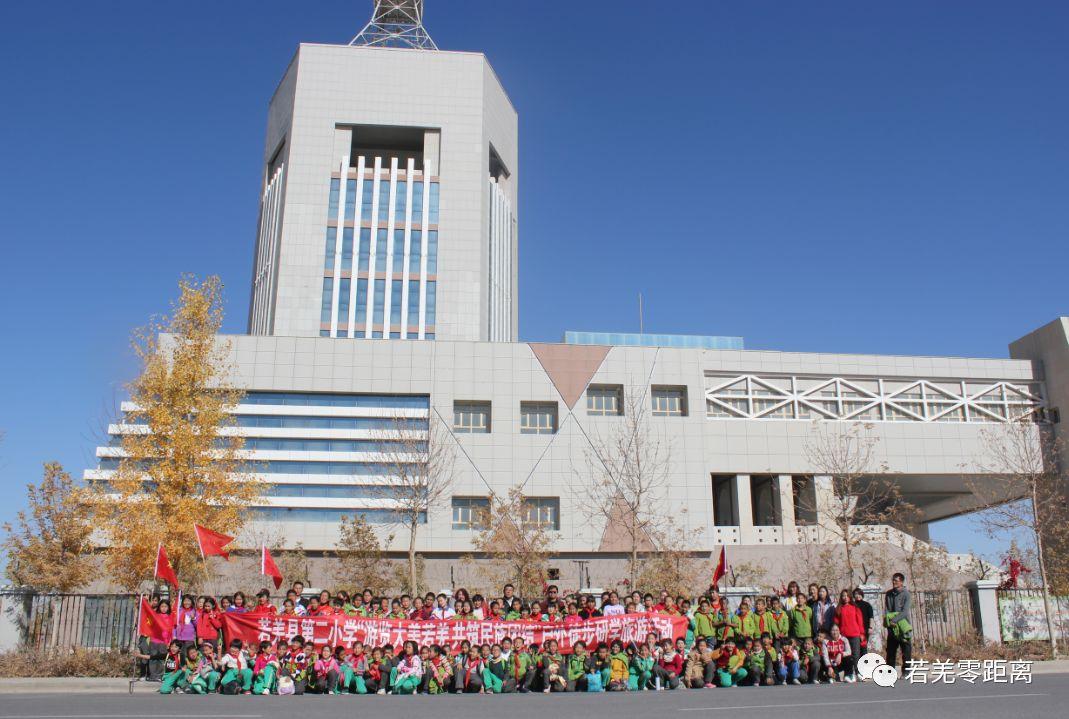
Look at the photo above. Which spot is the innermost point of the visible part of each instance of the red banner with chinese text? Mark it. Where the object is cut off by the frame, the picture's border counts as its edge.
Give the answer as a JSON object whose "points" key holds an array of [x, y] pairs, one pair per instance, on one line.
{"points": [[345, 630]]}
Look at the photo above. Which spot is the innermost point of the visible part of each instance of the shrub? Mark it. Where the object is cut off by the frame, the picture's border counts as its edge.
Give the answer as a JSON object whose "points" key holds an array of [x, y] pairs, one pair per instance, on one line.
{"points": [[28, 662], [974, 647]]}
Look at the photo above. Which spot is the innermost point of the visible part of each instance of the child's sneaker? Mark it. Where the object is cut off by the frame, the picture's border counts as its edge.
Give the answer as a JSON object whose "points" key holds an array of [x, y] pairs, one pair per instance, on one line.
{"points": [[850, 680]]}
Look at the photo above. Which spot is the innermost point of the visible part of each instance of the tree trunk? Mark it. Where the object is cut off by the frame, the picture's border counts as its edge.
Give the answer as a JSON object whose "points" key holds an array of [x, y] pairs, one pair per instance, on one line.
{"points": [[849, 554], [1047, 610], [412, 555]]}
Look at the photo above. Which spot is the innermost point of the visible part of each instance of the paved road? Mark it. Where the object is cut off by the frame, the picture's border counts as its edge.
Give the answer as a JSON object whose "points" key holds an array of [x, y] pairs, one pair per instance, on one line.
{"points": [[1040, 699]]}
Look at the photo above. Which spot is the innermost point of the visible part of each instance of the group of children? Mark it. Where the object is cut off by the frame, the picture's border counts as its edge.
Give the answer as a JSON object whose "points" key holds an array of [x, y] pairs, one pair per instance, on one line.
{"points": [[792, 638]]}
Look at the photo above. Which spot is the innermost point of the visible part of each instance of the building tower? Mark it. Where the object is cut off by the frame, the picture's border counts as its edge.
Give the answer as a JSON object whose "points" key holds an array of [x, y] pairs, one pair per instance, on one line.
{"points": [[389, 199]]}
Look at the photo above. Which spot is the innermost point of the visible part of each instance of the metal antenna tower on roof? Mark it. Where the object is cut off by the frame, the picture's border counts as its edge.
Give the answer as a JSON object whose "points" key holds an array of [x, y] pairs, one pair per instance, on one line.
{"points": [[396, 23]]}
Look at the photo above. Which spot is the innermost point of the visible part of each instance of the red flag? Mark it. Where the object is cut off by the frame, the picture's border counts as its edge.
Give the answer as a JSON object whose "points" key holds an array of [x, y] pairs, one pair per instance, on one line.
{"points": [[156, 626], [163, 568], [721, 567], [269, 568], [212, 543]]}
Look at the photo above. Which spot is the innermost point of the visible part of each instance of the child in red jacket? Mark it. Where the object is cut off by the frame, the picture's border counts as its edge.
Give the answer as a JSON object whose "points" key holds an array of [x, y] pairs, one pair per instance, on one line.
{"points": [[209, 622], [851, 623], [669, 667]]}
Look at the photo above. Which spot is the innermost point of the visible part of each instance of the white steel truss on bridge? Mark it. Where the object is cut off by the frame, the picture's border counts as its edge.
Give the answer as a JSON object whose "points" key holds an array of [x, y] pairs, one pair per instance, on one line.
{"points": [[748, 396]]}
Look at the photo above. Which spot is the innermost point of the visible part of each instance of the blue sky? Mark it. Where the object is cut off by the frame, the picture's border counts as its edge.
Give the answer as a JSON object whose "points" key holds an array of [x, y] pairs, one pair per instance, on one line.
{"points": [[826, 176]]}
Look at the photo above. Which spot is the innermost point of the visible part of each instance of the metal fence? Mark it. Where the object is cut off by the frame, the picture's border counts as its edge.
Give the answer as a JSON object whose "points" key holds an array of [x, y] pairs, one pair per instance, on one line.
{"points": [[109, 621], [93, 621], [943, 616]]}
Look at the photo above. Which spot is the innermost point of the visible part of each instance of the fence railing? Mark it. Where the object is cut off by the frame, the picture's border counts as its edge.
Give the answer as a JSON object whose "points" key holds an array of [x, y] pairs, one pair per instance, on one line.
{"points": [[109, 621], [93, 621], [943, 616]]}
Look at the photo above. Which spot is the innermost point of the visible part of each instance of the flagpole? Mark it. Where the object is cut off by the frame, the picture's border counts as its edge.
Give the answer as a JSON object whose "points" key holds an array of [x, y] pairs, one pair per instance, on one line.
{"points": [[204, 561], [140, 604]]}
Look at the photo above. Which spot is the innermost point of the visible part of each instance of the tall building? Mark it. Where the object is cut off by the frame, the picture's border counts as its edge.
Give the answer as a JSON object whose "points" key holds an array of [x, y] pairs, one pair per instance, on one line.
{"points": [[389, 206], [389, 220]]}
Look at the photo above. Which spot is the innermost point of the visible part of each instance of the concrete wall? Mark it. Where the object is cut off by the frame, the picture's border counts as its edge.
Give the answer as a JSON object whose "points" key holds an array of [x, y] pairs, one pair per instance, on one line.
{"points": [[1048, 348], [929, 455]]}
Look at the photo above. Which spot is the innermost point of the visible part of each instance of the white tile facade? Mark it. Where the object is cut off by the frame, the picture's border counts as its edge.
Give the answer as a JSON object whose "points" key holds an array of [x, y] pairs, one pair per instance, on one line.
{"points": [[329, 86]]}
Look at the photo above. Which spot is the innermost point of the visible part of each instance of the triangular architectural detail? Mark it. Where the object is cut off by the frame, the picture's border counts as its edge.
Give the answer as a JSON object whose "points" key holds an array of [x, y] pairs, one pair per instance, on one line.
{"points": [[570, 367], [616, 537]]}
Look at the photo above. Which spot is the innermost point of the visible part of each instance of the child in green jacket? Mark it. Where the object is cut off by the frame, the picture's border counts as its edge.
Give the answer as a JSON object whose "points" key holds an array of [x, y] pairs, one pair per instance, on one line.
{"points": [[748, 626], [781, 624], [763, 662], [705, 621], [522, 666], [497, 679], [641, 669], [577, 668], [181, 677], [802, 620]]}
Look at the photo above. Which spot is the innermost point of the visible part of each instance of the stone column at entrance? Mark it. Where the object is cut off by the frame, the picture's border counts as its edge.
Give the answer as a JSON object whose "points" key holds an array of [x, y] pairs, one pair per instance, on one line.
{"points": [[744, 505], [984, 593], [785, 502], [734, 595], [877, 634]]}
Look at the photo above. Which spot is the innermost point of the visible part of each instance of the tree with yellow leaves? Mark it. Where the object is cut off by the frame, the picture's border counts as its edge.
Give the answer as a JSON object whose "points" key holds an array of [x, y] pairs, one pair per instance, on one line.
{"points": [[52, 550], [181, 465], [360, 561]]}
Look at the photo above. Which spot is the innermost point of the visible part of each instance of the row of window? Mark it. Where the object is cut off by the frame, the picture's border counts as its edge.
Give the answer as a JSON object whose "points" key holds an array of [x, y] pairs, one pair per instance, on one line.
{"points": [[405, 300], [279, 466], [316, 491], [474, 512], [333, 516], [378, 305], [367, 423], [331, 445], [398, 200], [327, 491], [363, 401], [765, 502], [382, 251], [473, 417]]}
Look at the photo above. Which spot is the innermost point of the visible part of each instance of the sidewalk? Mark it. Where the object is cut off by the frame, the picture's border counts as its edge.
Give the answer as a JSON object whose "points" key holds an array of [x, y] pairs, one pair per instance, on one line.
{"points": [[1059, 667], [76, 685]]}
